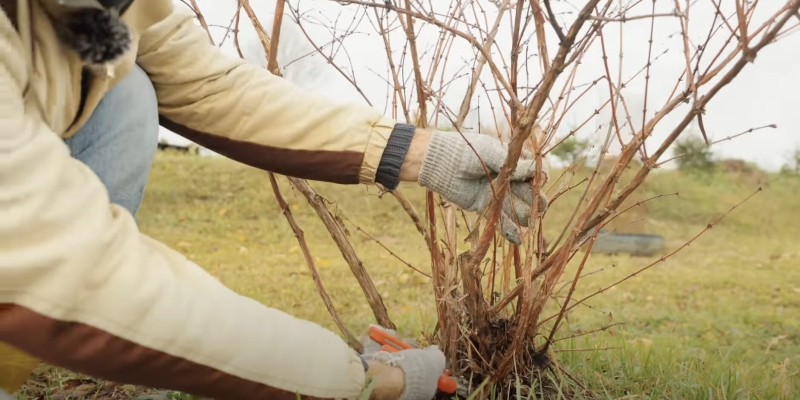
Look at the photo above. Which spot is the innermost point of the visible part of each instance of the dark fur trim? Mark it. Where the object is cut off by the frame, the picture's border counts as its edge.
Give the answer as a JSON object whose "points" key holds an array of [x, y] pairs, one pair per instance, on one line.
{"points": [[98, 36], [115, 4]]}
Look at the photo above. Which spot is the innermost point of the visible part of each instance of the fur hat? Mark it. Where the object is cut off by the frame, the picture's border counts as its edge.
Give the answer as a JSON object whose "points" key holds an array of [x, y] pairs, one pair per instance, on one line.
{"points": [[96, 33]]}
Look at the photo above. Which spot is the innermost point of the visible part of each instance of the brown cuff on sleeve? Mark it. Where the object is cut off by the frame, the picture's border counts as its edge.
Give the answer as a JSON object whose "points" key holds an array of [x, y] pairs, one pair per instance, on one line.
{"points": [[89, 350], [319, 165]]}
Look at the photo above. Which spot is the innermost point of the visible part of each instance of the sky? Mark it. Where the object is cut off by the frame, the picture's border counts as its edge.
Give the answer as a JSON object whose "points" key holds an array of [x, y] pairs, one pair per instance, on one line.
{"points": [[764, 93]]}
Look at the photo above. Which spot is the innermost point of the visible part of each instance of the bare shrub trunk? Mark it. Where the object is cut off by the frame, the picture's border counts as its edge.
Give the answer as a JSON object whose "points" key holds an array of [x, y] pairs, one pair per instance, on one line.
{"points": [[493, 326]]}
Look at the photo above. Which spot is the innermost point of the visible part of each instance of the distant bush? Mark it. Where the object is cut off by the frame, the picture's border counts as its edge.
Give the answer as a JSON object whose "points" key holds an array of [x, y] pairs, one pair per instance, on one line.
{"points": [[792, 166], [747, 172], [571, 151], [694, 155]]}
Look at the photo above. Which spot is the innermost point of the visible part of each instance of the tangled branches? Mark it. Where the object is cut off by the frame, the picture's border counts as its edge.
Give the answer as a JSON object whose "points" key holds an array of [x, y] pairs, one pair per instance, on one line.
{"points": [[487, 329]]}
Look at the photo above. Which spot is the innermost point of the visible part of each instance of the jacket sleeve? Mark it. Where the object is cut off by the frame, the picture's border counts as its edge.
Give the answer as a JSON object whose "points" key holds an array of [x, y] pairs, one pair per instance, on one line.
{"points": [[81, 288], [244, 112]]}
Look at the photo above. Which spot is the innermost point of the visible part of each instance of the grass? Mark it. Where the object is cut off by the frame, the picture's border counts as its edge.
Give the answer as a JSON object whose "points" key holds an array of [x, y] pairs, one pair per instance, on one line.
{"points": [[720, 320]]}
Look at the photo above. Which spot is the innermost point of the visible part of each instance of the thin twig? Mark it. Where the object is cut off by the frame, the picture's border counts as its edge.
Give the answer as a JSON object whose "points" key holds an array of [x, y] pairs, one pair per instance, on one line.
{"points": [[374, 299], [585, 350], [557, 195], [471, 39], [663, 258], [202, 20], [327, 57], [773, 126], [601, 329], [626, 18], [393, 254]]}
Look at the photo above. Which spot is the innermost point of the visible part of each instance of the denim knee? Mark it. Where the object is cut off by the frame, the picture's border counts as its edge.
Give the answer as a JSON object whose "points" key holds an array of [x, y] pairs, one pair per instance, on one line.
{"points": [[120, 139]]}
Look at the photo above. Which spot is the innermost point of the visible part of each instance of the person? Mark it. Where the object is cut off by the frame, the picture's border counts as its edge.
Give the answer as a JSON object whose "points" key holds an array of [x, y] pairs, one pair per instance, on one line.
{"points": [[84, 85]]}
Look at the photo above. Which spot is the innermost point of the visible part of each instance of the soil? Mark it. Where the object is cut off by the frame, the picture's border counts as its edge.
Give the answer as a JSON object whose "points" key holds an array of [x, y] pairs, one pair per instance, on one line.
{"points": [[52, 384]]}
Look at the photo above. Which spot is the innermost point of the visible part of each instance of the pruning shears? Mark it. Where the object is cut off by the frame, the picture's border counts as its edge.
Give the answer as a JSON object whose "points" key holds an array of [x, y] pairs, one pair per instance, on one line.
{"points": [[447, 382]]}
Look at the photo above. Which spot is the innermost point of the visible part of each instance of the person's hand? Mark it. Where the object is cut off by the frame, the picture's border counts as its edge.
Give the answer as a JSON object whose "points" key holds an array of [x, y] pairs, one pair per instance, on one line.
{"points": [[451, 168], [405, 375]]}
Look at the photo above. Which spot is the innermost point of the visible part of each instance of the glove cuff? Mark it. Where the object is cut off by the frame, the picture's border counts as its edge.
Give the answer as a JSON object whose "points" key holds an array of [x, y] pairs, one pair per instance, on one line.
{"points": [[422, 368], [394, 155], [440, 162]]}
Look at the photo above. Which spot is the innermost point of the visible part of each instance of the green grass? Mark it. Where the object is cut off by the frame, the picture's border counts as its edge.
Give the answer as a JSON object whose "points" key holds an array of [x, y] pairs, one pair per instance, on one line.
{"points": [[720, 320]]}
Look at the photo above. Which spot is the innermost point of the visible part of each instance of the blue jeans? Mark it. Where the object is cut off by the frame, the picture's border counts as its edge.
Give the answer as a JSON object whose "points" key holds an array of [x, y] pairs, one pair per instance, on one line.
{"points": [[120, 139]]}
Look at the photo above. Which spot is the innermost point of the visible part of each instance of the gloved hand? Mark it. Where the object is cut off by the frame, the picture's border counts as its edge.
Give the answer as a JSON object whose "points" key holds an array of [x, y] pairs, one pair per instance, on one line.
{"points": [[451, 168], [420, 369]]}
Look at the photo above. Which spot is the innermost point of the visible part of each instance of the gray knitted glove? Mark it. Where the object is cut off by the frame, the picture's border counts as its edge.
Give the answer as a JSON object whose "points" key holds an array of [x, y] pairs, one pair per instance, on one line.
{"points": [[451, 168], [421, 367]]}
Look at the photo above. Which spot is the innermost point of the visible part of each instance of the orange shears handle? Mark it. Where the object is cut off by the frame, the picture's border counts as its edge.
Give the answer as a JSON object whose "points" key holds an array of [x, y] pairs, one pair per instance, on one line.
{"points": [[389, 348], [446, 383], [391, 344], [384, 338]]}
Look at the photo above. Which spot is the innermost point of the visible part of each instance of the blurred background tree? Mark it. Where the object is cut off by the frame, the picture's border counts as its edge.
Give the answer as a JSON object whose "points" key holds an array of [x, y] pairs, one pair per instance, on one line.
{"points": [[572, 151], [694, 155], [792, 166]]}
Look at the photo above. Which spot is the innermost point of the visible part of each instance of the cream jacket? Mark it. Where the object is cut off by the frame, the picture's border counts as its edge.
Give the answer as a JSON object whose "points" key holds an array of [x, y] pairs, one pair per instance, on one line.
{"points": [[81, 287]]}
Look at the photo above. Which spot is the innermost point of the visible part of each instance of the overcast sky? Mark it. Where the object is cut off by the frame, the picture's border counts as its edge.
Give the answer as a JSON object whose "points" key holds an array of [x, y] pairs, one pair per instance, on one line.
{"points": [[764, 93]]}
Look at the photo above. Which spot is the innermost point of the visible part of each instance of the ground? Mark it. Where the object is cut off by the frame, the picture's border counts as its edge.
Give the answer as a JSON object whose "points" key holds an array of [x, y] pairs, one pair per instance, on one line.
{"points": [[720, 320]]}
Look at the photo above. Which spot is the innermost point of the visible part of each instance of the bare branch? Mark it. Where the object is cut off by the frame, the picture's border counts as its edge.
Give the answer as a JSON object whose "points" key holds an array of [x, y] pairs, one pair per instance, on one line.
{"points": [[301, 240], [634, 18], [773, 126], [393, 254], [202, 20], [272, 64], [444, 26], [662, 259], [553, 21]]}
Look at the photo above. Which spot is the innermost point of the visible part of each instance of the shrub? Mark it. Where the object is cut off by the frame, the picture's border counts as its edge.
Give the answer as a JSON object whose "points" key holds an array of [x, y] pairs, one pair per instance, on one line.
{"points": [[792, 166], [572, 151], [694, 155]]}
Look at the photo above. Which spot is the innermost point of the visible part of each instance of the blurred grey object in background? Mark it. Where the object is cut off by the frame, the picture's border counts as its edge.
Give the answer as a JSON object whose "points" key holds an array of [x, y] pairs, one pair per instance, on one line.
{"points": [[637, 244]]}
